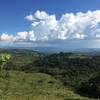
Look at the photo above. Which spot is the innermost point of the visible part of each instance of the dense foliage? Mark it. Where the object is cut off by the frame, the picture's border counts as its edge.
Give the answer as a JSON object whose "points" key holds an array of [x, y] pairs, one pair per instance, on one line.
{"points": [[75, 70]]}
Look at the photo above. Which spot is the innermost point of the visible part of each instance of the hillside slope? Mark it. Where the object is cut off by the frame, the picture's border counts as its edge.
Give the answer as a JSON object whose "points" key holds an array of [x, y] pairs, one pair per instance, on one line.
{"points": [[36, 86]]}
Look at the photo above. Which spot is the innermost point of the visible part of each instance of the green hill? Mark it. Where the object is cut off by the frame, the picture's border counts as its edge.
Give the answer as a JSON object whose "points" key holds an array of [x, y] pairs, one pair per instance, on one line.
{"points": [[28, 75], [36, 86]]}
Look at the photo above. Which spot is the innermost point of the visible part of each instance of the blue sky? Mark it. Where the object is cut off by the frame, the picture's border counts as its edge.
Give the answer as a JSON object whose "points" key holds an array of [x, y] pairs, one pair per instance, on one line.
{"points": [[59, 23], [12, 12]]}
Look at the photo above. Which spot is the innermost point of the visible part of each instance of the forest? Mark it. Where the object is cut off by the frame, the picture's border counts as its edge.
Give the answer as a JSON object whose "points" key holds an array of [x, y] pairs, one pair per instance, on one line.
{"points": [[30, 75]]}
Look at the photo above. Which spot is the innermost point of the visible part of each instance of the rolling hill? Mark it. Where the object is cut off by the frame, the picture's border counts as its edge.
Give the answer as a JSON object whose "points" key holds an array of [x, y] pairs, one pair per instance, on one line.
{"points": [[36, 86]]}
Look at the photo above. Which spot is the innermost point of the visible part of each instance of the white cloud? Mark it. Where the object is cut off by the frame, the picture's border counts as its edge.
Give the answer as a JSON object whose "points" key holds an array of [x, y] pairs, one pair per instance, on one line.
{"points": [[25, 36], [40, 15], [6, 37], [70, 26], [32, 36], [29, 18], [21, 36]]}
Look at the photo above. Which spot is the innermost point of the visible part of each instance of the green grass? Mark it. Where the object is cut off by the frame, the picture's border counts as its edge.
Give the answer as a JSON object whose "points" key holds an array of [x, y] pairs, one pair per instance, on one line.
{"points": [[36, 86]]}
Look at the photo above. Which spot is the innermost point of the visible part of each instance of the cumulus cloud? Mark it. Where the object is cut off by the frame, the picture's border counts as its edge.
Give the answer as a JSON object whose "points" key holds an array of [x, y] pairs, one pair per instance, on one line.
{"points": [[6, 37], [69, 26], [45, 27], [29, 18], [20, 36]]}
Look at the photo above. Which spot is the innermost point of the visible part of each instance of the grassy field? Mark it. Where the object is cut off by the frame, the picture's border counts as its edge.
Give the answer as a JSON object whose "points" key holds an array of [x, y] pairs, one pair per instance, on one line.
{"points": [[36, 86]]}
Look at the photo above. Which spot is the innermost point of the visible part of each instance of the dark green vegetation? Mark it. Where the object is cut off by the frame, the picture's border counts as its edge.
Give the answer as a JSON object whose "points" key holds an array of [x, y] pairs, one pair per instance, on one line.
{"points": [[60, 76]]}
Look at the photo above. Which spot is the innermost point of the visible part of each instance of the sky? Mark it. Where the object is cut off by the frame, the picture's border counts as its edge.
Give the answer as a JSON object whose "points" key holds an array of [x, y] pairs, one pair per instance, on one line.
{"points": [[49, 20], [13, 11]]}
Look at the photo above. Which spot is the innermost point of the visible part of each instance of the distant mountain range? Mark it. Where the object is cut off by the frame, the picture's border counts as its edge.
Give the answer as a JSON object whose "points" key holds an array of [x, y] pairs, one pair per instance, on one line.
{"points": [[55, 46]]}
